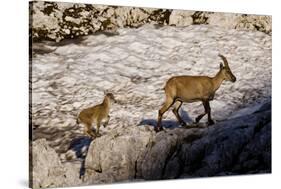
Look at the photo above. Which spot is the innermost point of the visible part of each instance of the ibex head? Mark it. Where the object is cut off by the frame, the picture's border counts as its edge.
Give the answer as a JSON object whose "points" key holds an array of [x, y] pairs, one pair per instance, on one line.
{"points": [[225, 70], [110, 96]]}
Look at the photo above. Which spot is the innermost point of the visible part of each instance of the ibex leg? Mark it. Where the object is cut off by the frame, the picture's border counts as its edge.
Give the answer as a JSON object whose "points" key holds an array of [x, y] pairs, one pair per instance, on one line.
{"points": [[210, 121], [106, 121], [169, 102], [98, 129], [88, 130], [176, 112], [202, 115]]}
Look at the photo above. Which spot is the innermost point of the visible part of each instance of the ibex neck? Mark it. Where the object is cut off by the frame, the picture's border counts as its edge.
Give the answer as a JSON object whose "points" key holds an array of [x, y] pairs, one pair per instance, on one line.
{"points": [[106, 102], [217, 80]]}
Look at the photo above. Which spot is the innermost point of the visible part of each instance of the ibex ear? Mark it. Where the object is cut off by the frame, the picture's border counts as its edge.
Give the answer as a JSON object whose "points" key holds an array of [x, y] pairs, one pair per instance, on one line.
{"points": [[221, 66]]}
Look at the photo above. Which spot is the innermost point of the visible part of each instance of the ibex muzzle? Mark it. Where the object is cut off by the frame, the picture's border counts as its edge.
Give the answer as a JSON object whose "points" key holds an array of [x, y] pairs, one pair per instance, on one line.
{"points": [[189, 89]]}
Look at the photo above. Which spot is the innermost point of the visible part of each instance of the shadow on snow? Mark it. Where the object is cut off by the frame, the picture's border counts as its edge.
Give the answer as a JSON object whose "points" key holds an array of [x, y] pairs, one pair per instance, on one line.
{"points": [[168, 123]]}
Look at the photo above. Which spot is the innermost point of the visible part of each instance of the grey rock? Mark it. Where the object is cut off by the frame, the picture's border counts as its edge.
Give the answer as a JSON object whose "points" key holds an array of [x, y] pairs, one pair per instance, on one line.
{"points": [[113, 157], [241, 145], [218, 149], [48, 171], [181, 18], [57, 21], [236, 146]]}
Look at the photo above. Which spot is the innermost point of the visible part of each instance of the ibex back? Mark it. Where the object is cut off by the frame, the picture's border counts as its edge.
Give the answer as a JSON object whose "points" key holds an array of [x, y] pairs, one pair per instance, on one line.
{"points": [[96, 114], [181, 89]]}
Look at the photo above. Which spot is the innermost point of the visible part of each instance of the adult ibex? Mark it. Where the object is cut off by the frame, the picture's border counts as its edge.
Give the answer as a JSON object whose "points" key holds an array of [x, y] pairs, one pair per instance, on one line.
{"points": [[181, 89], [96, 114]]}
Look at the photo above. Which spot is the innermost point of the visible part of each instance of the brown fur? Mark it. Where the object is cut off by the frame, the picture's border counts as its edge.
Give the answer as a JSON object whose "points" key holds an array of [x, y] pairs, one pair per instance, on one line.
{"points": [[96, 114], [189, 89]]}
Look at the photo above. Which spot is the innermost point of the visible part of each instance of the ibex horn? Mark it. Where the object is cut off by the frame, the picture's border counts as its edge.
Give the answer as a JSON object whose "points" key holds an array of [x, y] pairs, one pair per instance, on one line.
{"points": [[224, 60]]}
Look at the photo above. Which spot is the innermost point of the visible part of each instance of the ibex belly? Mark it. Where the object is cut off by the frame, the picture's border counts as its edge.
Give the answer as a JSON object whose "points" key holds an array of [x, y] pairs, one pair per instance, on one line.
{"points": [[195, 95]]}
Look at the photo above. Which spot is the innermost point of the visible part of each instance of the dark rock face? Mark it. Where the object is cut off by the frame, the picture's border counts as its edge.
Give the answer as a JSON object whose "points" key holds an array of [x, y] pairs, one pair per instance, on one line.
{"points": [[200, 17], [57, 21], [237, 146], [232, 147]]}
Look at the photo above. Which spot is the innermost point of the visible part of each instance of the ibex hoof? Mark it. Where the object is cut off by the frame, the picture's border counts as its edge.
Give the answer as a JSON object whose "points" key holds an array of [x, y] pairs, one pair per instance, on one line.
{"points": [[183, 124], [158, 129], [197, 120], [211, 122], [98, 135]]}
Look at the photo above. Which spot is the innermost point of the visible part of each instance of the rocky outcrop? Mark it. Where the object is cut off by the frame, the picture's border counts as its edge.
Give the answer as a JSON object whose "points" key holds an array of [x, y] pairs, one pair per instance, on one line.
{"points": [[241, 145], [114, 157], [237, 146], [47, 170], [227, 148], [57, 21], [222, 20]]}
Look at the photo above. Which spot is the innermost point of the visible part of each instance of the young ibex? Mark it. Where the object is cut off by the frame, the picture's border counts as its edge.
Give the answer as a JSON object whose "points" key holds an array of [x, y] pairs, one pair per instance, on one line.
{"points": [[96, 114], [181, 89]]}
